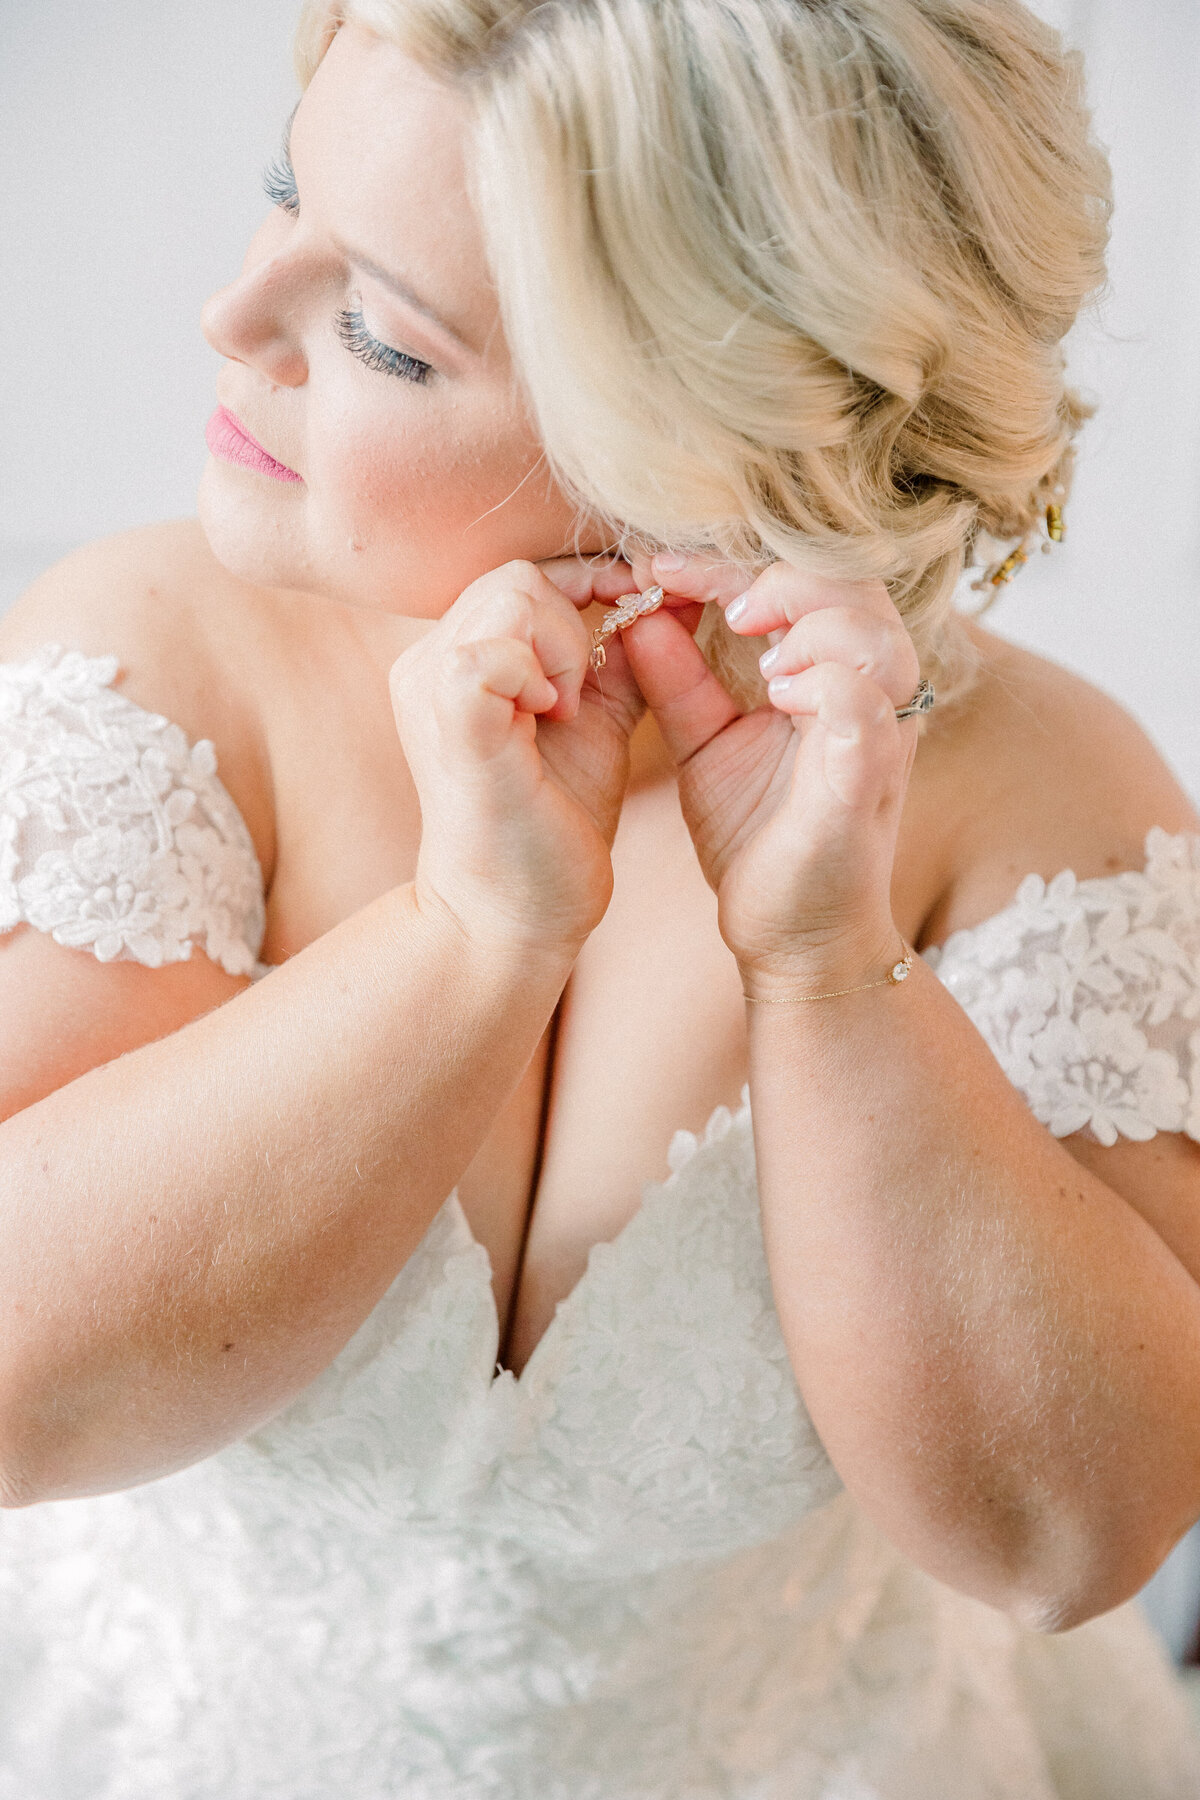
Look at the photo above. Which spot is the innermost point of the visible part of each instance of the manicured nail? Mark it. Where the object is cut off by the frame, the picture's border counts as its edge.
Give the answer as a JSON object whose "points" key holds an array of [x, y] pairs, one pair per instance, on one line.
{"points": [[669, 562], [768, 659], [780, 686], [736, 609]]}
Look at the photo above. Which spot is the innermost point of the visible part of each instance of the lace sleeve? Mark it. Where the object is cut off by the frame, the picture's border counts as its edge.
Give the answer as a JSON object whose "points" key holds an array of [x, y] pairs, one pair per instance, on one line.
{"points": [[1088, 993], [116, 836]]}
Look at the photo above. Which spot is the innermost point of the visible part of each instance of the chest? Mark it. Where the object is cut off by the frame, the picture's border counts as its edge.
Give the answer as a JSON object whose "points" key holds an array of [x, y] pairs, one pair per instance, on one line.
{"points": [[648, 1038]]}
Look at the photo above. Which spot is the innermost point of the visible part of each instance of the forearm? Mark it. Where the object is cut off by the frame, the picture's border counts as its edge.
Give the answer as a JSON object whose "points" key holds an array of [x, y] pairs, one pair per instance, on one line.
{"points": [[193, 1231], [1001, 1356]]}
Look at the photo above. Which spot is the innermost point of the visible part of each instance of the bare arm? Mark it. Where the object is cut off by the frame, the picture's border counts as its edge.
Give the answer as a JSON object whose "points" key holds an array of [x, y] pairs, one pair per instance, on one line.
{"points": [[194, 1230], [1001, 1354], [998, 1341]]}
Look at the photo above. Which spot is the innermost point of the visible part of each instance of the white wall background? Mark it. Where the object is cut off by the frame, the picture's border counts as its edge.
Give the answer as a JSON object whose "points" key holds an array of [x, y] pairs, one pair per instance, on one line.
{"points": [[132, 136]]}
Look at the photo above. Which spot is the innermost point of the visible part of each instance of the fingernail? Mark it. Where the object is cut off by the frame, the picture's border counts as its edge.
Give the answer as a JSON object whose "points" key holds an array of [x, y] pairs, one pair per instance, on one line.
{"points": [[780, 686], [768, 659], [736, 609], [668, 562]]}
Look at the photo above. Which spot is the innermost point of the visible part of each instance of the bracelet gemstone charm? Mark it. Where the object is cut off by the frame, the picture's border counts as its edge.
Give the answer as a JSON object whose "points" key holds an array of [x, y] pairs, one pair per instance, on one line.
{"points": [[899, 971]]}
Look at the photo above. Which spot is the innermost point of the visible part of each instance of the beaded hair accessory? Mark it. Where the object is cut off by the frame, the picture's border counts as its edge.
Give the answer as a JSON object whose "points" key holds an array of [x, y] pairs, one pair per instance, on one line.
{"points": [[1001, 573]]}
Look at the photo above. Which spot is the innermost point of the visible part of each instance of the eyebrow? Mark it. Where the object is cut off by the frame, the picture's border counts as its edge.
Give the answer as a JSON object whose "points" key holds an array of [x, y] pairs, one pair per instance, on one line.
{"points": [[400, 288], [404, 292]]}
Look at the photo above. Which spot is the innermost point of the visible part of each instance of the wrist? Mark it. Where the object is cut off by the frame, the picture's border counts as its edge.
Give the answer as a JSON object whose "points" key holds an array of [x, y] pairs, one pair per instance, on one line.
{"points": [[828, 969], [489, 941]]}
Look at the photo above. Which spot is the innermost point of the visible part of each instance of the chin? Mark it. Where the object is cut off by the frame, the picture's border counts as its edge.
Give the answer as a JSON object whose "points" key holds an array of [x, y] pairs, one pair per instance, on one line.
{"points": [[255, 540]]}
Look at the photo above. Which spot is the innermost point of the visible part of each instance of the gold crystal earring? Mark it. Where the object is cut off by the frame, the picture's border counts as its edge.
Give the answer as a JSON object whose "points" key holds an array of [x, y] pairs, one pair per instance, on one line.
{"points": [[633, 606]]}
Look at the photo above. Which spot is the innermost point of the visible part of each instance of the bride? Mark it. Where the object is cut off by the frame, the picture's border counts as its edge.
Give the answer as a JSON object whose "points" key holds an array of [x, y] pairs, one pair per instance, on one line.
{"points": [[599, 1228]]}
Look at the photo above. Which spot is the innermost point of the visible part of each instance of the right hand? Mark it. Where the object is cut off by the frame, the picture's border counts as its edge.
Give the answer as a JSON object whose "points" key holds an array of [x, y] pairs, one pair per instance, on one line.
{"points": [[519, 760]]}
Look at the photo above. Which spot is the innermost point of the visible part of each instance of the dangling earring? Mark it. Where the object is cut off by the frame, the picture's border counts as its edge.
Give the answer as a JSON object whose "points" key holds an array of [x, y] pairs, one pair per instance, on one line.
{"points": [[633, 606]]}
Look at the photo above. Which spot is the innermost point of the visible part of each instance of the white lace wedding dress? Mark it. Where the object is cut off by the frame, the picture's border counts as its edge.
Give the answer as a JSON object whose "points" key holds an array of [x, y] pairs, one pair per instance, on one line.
{"points": [[633, 1573]]}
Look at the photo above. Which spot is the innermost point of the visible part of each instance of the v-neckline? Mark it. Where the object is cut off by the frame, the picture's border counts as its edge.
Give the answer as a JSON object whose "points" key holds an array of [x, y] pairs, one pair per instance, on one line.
{"points": [[505, 1378], [723, 1117]]}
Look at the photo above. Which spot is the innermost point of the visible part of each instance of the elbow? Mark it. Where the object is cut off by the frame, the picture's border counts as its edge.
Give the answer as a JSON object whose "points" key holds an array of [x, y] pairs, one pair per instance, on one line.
{"points": [[1108, 1575], [22, 1452], [15, 1487], [1050, 1612], [13, 1492]]}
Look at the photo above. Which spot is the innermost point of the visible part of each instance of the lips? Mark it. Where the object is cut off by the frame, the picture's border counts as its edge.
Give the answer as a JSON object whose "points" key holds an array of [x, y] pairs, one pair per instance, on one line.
{"points": [[228, 439]]}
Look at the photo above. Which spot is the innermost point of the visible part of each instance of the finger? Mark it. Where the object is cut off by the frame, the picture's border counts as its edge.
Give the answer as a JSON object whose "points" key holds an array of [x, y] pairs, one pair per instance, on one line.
{"points": [[708, 578], [587, 580], [603, 580], [782, 595], [584, 579], [517, 601], [483, 684], [864, 751], [687, 700], [562, 646], [880, 649]]}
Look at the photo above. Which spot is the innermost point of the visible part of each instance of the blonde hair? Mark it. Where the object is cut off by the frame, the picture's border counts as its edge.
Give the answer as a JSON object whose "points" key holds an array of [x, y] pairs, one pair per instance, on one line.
{"points": [[783, 278]]}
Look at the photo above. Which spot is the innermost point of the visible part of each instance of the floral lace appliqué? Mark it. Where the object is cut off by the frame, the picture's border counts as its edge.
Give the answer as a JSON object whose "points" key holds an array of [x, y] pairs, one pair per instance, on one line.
{"points": [[1088, 993], [116, 836]]}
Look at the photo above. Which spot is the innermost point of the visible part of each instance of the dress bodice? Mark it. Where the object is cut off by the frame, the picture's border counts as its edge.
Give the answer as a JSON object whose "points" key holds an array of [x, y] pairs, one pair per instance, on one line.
{"points": [[630, 1574], [657, 1421]]}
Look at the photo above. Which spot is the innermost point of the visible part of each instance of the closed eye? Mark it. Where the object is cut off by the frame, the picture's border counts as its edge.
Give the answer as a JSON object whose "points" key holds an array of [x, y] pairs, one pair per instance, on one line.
{"points": [[359, 341], [279, 184]]}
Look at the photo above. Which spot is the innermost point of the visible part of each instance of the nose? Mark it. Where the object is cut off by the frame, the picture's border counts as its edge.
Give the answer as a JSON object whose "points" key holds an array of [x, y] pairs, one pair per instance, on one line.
{"points": [[253, 320]]}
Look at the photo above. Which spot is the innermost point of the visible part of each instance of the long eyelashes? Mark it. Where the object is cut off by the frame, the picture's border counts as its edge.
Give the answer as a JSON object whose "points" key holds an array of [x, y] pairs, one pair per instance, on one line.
{"points": [[368, 349], [279, 185]]}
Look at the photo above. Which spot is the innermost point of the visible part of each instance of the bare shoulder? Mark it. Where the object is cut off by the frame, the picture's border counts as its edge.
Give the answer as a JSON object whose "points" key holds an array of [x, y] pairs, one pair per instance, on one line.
{"points": [[1037, 771], [187, 634]]}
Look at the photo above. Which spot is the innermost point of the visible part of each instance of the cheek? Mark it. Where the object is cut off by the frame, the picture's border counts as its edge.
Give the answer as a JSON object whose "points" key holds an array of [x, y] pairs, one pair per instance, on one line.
{"points": [[389, 467], [444, 491]]}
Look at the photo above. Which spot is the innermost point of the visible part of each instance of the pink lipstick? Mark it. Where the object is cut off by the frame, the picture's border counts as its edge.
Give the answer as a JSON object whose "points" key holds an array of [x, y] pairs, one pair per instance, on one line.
{"points": [[227, 438]]}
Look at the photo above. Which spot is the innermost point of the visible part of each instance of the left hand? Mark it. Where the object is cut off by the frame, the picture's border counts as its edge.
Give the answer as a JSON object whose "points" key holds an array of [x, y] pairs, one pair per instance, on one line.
{"points": [[793, 808]]}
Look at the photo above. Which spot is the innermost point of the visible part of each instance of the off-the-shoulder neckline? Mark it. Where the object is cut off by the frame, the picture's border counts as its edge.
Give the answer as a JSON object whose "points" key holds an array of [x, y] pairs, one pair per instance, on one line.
{"points": [[1165, 855], [1162, 849]]}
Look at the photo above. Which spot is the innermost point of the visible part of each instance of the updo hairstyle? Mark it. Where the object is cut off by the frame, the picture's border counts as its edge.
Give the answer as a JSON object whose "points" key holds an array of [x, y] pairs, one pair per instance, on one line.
{"points": [[783, 278]]}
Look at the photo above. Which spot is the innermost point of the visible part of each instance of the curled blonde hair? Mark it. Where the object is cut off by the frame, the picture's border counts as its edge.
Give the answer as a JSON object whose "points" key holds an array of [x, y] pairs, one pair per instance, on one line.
{"points": [[782, 278]]}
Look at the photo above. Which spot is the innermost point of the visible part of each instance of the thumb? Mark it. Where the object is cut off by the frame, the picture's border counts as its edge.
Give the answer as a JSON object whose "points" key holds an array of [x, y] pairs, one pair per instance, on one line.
{"points": [[688, 702]]}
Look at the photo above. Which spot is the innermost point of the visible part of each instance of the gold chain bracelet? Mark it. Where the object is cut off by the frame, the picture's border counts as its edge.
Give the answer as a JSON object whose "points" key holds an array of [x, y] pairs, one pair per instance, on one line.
{"points": [[896, 974]]}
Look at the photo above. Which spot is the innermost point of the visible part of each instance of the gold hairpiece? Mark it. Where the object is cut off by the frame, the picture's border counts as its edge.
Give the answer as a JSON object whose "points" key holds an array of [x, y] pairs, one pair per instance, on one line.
{"points": [[1000, 574]]}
